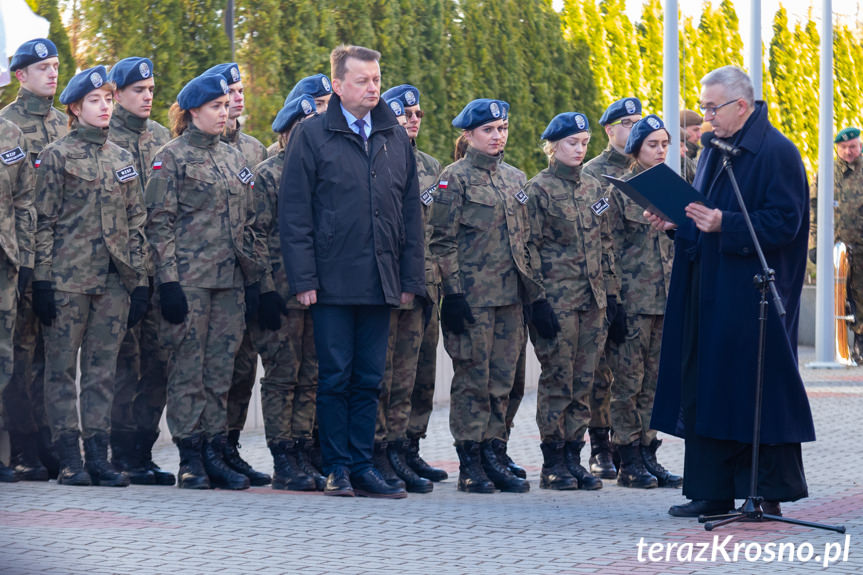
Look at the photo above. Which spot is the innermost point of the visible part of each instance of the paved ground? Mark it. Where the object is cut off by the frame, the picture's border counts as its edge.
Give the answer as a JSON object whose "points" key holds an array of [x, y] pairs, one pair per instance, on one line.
{"points": [[46, 528]]}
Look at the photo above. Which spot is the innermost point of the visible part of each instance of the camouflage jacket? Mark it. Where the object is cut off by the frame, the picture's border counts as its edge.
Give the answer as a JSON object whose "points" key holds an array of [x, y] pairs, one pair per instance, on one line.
{"points": [[610, 163], [90, 213], [691, 150], [201, 213], [428, 170], [17, 213], [274, 149], [642, 255], [253, 151], [140, 136], [847, 203], [479, 234], [40, 122], [268, 175], [571, 237]]}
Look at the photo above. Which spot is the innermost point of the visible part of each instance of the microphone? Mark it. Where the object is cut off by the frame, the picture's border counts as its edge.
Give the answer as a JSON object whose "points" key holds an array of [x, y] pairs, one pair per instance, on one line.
{"points": [[708, 141]]}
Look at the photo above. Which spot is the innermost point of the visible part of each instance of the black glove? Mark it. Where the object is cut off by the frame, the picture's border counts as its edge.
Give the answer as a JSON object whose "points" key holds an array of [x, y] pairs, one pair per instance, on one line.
{"points": [[173, 302], [253, 300], [611, 308], [24, 277], [44, 305], [454, 312], [543, 319], [428, 308], [617, 328], [813, 255], [139, 303], [270, 311]]}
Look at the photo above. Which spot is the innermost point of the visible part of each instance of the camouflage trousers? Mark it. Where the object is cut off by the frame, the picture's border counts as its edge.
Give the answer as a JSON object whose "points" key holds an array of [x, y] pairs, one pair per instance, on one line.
{"points": [[517, 392], [568, 365], [635, 364], [95, 324], [199, 356], [600, 399], [403, 348], [422, 397], [855, 288], [141, 384], [484, 372], [290, 381], [24, 397], [242, 382], [8, 314]]}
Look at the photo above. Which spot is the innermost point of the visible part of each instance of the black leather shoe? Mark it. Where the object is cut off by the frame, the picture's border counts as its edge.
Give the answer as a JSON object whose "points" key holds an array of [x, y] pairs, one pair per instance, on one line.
{"points": [[369, 483], [698, 507], [339, 483], [771, 508]]}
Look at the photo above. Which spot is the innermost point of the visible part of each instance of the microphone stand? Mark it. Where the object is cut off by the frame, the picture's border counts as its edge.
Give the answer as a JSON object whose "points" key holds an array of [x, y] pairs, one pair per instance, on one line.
{"points": [[764, 281]]}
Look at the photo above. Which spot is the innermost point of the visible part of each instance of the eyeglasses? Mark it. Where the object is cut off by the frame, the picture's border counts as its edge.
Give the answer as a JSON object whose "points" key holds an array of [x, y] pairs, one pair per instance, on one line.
{"points": [[411, 113], [626, 123], [713, 109]]}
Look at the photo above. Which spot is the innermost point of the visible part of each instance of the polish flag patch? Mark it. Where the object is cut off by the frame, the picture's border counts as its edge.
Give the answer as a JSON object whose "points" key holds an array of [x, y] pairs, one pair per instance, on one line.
{"points": [[442, 184], [37, 163], [157, 165]]}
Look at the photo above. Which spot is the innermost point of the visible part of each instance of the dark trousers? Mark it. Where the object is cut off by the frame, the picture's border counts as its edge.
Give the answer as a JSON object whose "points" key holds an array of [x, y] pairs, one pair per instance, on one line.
{"points": [[351, 343]]}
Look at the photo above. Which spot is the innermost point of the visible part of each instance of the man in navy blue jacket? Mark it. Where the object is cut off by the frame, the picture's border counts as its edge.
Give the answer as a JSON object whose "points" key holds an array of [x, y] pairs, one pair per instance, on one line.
{"points": [[352, 240], [707, 373]]}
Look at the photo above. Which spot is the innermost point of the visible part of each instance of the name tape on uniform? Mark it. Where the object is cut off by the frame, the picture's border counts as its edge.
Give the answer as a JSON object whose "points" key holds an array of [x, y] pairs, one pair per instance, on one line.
{"points": [[426, 197], [12, 156], [521, 197], [245, 175], [126, 174], [600, 206]]}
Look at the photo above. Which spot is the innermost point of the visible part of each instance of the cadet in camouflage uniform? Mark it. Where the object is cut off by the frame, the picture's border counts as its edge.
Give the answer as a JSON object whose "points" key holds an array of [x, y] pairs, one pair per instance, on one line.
{"points": [[571, 241], [480, 226], [847, 220], [139, 391], [200, 210], [643, 256], [35, 65], [90, 257], [617, 120], [286, 344], [17, 226], [246, 362], [319, 88], [690, 123]]}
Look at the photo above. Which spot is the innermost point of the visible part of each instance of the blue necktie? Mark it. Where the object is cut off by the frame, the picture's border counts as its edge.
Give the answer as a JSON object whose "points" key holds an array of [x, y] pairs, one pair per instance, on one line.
{"points": [[361, 124]]}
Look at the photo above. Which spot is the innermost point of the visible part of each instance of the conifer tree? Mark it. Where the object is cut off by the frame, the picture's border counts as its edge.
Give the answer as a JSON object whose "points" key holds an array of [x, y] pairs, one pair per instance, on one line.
{"points": [[650, 46]]}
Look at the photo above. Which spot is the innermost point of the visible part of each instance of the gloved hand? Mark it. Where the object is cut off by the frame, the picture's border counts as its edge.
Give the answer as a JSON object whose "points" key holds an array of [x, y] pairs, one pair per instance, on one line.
{"points": [[455, 312], [253, 300], [173, 302], [611, 308], [543, 319], [44, 305], [272, 306], [617, 328], [139, 303], [24, 277], [813, 255]]}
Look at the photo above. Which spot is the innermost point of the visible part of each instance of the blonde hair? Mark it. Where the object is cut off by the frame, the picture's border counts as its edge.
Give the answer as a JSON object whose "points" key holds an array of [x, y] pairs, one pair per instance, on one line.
{"points": [[549, 148], [179, 119]]}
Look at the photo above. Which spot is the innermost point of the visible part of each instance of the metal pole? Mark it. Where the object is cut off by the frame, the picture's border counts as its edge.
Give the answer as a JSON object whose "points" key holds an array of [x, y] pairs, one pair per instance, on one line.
{"points": [[229, 25], [671, 83], [825, 327], [755, 46]]}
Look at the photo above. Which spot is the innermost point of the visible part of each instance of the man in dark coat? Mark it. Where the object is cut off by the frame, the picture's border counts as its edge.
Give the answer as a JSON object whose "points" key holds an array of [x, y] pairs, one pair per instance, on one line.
{"points": [[708, 365], [352, 240]]}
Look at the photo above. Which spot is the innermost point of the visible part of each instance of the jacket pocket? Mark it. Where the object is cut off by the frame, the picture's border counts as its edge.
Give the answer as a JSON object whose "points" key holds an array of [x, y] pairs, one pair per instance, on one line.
{"points": [[478, 210], [81, 176], [196, 192], [325, 233]]}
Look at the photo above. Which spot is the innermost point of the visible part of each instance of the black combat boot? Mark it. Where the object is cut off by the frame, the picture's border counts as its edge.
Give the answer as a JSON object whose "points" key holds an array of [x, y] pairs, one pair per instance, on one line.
{"points": [[96, 458], [7, 474], [305, 445], [572, 457], [48, 453], [500, 450], [397, 451], [471, 476], [232, 457], [498, 472], [420, 465], [146, 440], [125, 457], [27, 465], [632, 472], [555, 474], [71, 468], [381, 461], [191, 474], [287, 473], [663, 477], [221, 474], [601, 461]]}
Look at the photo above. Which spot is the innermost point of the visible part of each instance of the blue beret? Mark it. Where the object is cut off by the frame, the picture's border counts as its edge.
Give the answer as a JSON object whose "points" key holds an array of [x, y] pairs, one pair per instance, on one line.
{"points": [[229, 71], [130, 70], [641, 129], [83, 83], [406, 94], [479, 112], [564, 125], [201, 90], [315, 86], [847, 134], [396, 106], [620, 109], [292, 111], [31, 52]]}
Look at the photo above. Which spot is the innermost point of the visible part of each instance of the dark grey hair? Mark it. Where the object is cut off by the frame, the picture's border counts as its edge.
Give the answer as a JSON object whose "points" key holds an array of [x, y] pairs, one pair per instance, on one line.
{"points": [[736, 82]]}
